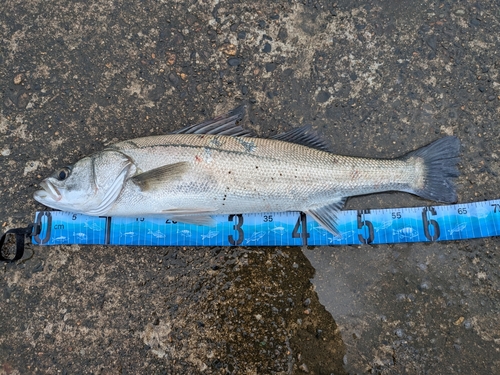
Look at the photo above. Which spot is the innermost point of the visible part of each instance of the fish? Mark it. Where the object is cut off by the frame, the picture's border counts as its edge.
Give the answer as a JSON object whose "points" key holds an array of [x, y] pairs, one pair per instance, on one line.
{"points": [[278, 230], [210, 234], [386, 224], [342, 236], [80, 236], [482, 214], [218, 167], [184, 233], [457, 229], [320, 230], [128, 234], [156, 234], [94, 227], [406, 232], [255, 237]]}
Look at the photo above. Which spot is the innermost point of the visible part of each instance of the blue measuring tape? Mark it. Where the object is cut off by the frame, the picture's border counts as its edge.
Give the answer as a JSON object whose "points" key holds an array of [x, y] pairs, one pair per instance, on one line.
{"points": [[381, 226]]}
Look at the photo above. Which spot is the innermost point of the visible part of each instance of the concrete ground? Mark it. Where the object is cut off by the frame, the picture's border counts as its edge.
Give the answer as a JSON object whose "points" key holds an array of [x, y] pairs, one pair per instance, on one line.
{"points": [[375, 78]]}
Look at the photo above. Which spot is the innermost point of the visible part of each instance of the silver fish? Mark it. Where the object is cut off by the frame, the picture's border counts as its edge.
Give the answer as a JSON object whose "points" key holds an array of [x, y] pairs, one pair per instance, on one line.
{"points": [[218, 167]]}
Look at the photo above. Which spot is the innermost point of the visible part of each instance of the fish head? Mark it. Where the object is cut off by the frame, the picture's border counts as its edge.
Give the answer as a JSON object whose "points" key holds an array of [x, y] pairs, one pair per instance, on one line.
{"points": [[90, 186]]}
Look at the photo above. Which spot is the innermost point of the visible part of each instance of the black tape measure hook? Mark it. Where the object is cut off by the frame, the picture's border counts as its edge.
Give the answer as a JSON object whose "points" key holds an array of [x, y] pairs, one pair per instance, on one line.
{"points": [[20, 233]]}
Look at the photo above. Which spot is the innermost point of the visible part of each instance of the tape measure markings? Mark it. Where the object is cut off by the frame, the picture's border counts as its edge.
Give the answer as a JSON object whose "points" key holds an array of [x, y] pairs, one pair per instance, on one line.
{"points": [[379, 226]]}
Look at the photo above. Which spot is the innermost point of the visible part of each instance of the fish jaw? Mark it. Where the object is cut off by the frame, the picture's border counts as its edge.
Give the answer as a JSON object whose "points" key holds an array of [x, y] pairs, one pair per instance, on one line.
{"points": [[49, 195]]}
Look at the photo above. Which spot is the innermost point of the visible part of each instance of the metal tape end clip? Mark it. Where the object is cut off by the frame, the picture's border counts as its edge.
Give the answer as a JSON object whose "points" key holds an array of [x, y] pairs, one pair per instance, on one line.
{"points": [[20, 233]]}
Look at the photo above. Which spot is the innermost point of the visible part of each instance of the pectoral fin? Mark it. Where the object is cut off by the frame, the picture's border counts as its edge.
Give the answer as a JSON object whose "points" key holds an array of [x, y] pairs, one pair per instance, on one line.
{"points": [[326, 216], [158, 177]]}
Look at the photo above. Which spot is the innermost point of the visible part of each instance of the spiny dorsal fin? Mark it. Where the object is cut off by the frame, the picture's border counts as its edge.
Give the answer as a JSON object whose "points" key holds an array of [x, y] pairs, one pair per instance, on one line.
{"points": [[225, 124], [158, 177], [305, 136], [326, 215]]}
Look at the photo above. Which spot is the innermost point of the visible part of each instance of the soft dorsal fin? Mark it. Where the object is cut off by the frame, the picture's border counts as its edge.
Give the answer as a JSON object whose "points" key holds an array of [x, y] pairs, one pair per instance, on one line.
{"points": [[326, 215], [225, 124], [305, 136], [158, 177]]}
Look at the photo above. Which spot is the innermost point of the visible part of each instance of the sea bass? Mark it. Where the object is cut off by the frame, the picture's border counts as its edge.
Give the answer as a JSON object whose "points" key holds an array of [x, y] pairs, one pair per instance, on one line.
{"points": [[218, 167]]}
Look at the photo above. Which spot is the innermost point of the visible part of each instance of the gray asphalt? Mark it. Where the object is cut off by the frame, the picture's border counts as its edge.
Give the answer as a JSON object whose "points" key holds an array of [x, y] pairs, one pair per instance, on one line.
{"points": [[376, 79]]}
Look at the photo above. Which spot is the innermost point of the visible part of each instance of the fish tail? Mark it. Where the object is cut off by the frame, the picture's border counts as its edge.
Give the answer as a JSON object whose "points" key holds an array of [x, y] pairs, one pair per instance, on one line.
{"points": [[437, 163]]}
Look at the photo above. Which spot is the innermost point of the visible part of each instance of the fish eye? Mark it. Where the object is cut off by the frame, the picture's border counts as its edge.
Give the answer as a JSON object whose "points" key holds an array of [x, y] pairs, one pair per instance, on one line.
{"points": [[63, 174]]}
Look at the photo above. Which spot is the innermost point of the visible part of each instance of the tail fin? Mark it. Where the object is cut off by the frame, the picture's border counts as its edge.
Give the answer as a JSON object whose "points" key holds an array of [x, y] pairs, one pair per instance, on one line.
{"points": [[440, 160]]}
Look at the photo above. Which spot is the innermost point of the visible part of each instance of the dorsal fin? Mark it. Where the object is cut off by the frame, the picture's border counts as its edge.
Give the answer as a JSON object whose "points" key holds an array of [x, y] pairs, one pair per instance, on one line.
{"points": [[305, 136], [225, 124]]}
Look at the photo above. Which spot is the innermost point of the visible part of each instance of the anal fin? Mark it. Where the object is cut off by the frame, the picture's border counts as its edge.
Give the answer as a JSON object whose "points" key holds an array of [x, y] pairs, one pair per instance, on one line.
{"points": [[326, 215]]}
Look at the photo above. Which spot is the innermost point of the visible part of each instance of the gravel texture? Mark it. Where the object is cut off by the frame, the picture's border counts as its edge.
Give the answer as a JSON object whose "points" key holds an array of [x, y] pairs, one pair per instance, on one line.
{"points": [[376, 78]]}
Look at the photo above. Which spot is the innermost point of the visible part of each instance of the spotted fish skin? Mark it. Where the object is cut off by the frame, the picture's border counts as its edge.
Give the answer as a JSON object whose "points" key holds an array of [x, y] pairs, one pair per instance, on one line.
{"points": [[219, 168], [224, 176]]}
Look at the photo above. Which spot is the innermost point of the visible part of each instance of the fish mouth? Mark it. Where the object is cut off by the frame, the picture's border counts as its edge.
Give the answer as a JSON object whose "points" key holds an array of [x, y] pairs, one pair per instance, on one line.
{"points": [[49, 192]]}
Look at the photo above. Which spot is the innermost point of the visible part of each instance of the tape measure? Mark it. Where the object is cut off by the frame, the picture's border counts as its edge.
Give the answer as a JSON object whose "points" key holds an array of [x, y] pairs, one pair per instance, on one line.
{"points": [[381, 226]]}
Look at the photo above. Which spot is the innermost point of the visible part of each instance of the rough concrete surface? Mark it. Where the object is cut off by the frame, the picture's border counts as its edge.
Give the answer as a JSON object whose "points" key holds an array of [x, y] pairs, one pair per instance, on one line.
{"points": [[376, 78]]}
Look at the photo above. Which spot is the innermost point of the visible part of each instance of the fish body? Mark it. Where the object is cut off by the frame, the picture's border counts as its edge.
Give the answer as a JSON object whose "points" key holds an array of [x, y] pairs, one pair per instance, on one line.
{"points": [[221, 176], [219, 168]]}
